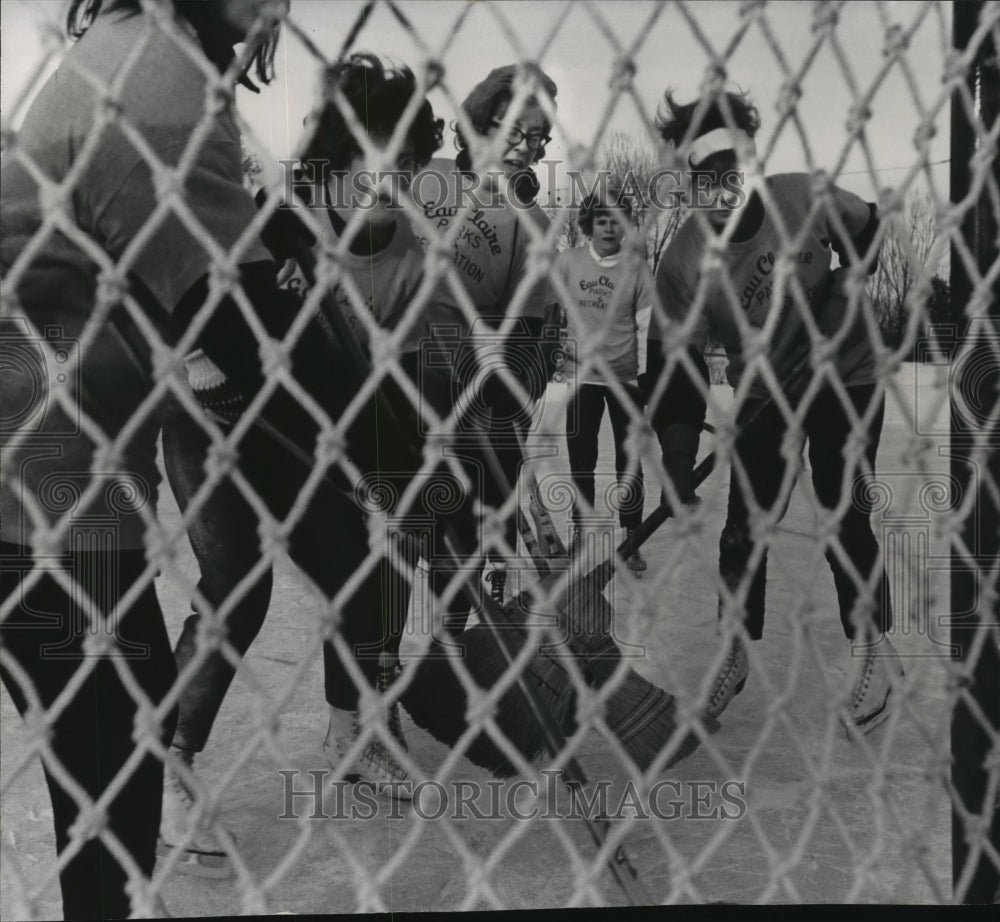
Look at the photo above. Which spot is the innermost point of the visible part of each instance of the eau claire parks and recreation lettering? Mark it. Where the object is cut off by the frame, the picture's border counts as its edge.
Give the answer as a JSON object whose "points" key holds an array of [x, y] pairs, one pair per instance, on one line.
{"points": [[601, 290], [758, 290], [475, 232]]}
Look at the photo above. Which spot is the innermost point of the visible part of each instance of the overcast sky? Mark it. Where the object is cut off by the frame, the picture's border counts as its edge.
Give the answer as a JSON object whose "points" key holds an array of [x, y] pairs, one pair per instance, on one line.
{"points": [[579, 57]]}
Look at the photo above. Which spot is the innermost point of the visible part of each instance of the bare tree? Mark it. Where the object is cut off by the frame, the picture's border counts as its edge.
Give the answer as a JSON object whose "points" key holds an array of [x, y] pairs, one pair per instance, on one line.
{"points": [[570, 234], [905, 252], [632, 166]]}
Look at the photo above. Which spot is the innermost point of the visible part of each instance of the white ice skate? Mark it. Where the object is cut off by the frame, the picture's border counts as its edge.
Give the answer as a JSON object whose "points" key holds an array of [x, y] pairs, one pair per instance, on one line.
{"points": [[376, 764], [202, 854], [875, 691]]}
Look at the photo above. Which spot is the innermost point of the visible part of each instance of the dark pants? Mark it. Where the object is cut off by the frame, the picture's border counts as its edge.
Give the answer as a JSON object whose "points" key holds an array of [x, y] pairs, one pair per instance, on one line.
{"points": [[505, 437], [487, 443], [91, 738], [494, 482], [583, 425], [758, 449], [329, 544]]}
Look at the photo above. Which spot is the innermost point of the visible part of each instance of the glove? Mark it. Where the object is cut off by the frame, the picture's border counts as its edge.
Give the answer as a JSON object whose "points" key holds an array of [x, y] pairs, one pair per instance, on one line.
{"points": [[861, 242]]}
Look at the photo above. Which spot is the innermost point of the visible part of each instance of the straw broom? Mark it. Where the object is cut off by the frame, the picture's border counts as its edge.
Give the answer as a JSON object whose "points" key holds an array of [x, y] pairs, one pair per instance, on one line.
{"points": [[642, 716]]}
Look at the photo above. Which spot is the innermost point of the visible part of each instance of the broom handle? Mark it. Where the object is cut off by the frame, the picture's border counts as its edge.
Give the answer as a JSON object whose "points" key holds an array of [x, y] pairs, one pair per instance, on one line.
{"points": [[619, 864], [546, 527], [663, 512], [531, 543], [603, 572]]}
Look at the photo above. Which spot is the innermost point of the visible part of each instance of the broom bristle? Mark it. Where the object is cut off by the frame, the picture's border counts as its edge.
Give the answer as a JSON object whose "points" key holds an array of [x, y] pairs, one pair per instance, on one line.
{"points": [[644, 719], [436, 699], [641, 715], [586, 620]]}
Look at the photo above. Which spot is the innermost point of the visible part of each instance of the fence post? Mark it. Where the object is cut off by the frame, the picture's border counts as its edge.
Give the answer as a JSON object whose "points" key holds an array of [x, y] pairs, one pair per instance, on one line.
{"points": [[975, 464]]}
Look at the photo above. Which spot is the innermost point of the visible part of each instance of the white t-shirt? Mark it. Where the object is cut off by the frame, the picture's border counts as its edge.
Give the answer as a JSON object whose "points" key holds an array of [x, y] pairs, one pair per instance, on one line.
{"points": [[387, 283], [613, 300], [751, 267], [490, 251], [163, 99]]}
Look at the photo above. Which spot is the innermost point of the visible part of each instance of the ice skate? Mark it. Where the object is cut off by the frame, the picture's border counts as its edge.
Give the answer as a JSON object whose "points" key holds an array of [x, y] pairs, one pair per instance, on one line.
{"points": [[875, 691], [201, 854], [376, 764], [497, 578], [730, 680], [636, 562]]}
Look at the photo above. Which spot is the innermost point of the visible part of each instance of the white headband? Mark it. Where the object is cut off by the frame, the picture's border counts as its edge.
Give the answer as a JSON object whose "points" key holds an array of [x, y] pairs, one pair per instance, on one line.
{"points": [[720, 139]]}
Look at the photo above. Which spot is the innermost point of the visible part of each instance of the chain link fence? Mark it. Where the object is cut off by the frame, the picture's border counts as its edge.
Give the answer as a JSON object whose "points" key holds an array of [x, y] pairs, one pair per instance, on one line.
{"points": [[564, 748]]}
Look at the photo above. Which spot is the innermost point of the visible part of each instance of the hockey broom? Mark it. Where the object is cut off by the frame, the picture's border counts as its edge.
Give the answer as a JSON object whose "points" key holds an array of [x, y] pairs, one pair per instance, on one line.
{"points": [[641, 716]]}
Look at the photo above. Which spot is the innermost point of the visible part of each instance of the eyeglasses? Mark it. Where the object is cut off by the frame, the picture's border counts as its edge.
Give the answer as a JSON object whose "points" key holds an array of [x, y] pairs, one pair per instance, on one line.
{"points": [[534, 140]]}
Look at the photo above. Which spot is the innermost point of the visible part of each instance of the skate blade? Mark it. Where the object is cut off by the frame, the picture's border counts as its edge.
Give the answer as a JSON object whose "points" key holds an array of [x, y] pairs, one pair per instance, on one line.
{"points": [[874, 720], [214, 865]]}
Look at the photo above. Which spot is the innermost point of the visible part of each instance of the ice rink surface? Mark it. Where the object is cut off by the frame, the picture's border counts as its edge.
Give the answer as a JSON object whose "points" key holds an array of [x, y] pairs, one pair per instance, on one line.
{"points": [[809, 817]]}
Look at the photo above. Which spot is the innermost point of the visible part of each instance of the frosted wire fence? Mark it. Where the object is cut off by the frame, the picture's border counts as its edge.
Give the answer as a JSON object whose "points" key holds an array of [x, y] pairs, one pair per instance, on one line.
{"points": [[963, 86]]}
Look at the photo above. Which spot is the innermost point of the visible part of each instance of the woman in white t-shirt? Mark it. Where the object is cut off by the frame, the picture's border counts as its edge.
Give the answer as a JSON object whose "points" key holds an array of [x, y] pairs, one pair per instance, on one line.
{"points": [[496, 209], [383, 265], [760, 299], [79, 479], [607, 317]]}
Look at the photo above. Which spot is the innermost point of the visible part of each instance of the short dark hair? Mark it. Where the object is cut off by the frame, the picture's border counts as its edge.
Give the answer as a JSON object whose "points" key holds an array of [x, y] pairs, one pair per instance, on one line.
{"points": [[379, 95], [673, 119], [204, 16], [596, 204], [491, 96]]}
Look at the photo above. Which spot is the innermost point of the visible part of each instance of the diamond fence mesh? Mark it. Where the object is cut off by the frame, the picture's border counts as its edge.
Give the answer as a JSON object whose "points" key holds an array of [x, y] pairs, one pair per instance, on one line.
{"points": [[575, 729]]}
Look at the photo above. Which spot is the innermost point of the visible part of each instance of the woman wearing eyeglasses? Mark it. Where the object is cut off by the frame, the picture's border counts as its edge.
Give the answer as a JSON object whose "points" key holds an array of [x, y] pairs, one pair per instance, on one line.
{"points": [[490, 189]]}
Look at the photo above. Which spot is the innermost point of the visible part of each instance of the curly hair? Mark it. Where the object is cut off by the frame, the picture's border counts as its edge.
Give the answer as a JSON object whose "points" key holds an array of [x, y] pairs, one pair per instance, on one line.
{"points": [[204, 16], [673, 119], [597, 204], [379, 95], [491, 96]]}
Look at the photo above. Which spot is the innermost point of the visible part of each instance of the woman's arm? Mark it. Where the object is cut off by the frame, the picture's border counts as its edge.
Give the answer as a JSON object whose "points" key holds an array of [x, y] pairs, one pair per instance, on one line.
{"points": [[861, 221]]}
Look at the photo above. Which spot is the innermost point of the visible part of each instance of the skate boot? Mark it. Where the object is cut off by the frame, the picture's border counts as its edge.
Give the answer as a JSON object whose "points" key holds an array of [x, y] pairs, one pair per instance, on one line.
{"points": [[636, 562], [376, 763], [201, 853], [497, 578], [730, 680], [875, 691]]}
